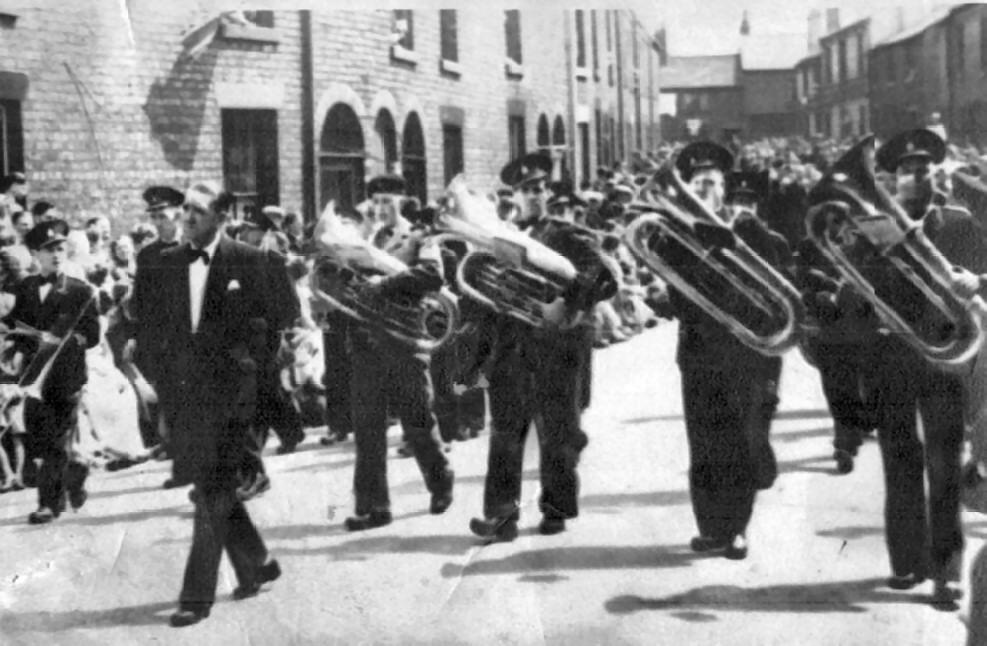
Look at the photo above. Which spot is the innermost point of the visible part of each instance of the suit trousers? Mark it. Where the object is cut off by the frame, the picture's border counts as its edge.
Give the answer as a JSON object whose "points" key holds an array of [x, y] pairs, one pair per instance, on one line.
{"points": [[388, 378], [50, 426], [338, 375], [924, 537], [538, 379], [221, 523]]}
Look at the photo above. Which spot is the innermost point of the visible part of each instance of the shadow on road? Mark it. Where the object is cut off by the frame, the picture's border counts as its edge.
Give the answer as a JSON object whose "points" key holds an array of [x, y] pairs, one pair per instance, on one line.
{"points": [[800, 413], [668, 498], [149, 614], [851, 532], [556, 559], [365, 548], [801, 434], [835, 596], [806, 465]]}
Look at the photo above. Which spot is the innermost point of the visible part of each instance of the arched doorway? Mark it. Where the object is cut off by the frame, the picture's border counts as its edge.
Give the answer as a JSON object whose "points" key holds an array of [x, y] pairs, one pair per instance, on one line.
{"points": [[387, 140], [413, 157], [341, 158]]}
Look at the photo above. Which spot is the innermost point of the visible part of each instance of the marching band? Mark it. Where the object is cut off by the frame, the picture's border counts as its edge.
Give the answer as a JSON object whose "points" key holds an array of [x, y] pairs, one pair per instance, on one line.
{"points": [[430, 313]]}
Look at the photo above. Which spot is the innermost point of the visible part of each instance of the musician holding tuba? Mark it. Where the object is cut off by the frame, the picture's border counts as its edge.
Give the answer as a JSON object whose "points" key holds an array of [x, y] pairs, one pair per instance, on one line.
{"points": [[63, 310], [537, 374], [725, 383], [389, 375], [908, 375]]}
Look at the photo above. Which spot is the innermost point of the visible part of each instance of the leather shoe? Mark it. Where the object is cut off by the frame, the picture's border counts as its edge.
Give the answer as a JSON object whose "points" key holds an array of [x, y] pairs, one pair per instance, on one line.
{"points": [[367, 521], [442, 496], [256, 487], [174, 483], [41, 516], [266, 573], [737, 549], [707, 543], [549, 526], [497, 530], [905, 581], [77, 498], [185, 617]]}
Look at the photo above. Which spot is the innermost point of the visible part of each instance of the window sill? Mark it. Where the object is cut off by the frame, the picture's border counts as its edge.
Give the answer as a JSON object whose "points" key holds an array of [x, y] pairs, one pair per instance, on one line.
{"points": [[451, 67], [250, 33], [404, 55], [582, 73], [513, 68]]}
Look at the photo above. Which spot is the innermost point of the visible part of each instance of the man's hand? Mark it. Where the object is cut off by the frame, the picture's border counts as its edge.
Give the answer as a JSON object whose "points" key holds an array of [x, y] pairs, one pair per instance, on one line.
{"points": [[966, 283]]}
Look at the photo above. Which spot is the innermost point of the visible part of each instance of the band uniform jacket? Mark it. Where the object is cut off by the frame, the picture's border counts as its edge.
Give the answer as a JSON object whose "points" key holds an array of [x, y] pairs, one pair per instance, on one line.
{"points": [[208, 379], [68, 299]]}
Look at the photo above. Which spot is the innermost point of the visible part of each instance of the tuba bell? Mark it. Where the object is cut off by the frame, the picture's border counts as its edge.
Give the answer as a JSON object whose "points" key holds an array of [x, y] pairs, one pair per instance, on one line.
{"points": [[887, 258], [694, 251], [341, 280], [506, 270]]}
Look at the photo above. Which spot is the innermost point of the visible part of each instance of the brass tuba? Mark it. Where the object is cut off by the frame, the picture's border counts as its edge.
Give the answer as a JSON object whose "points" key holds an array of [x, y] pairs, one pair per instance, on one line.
{"points": [[694, 251], [506, 270], [866, 234], [341, 280]]}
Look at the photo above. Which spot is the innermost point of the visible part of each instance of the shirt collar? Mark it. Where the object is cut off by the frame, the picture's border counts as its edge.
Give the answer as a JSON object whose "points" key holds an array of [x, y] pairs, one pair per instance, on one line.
{"points": [[210, 248]]}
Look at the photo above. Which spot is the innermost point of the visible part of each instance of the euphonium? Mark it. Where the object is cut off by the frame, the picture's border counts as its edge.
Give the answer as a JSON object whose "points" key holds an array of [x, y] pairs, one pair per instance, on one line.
{"points": [[694, 251], [865, 233], [341, 279], [506, 270]]}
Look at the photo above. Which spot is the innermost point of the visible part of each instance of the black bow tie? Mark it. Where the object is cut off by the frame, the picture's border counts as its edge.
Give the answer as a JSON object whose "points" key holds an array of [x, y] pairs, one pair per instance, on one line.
{"points": [[195, 254], [50, 279]]}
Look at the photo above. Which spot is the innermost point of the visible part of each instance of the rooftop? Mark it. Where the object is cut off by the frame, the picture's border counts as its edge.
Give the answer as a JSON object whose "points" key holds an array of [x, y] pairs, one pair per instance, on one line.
{"points": [[690, 72]]}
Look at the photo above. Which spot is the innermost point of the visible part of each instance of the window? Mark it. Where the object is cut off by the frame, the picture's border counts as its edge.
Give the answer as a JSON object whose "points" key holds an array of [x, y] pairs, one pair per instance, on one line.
{"points": [[580, 38], [638, 133], [404, 25], [413, 157], [596, 58], [449, 35], [452, 150], [960, 49], [543, 135], [341, 159], [512, 29], [851, 56], [11, 137], [584, 149], [842, 73], [598, 126], [559, 147], [862, 116], [861, 55], [387, 138], [515, 136], [608, 16], [983, 41], [250, 157]]}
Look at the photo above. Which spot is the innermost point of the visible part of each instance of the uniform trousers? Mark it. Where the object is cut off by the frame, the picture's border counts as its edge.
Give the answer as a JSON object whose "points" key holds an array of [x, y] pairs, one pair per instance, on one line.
{"points": [[536, 377], [50, 425], [389, 378], [924, 537], [730, 457], [842, 371], [338, 374]]}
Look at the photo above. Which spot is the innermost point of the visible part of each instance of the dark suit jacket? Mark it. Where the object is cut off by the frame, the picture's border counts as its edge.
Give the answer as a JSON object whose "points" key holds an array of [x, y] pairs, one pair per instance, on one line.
{"points": [[147, 283], [65, 303], [206, 379]]}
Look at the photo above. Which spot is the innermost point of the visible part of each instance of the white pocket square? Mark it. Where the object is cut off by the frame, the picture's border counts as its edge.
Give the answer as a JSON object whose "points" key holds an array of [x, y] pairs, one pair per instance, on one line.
{"points": [[233, 285]]}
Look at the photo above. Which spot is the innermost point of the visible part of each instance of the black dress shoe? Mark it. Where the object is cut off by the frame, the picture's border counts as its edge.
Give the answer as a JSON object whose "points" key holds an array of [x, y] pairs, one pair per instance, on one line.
{"points": [[549, 526], [266, 573], [707, 543], [42, 516], [77, 498], [737, 549], [905, 581], [498, 530], [442, 496], [185, 617], [367, 521], [844, 461], [256, 487], [174, 483]]}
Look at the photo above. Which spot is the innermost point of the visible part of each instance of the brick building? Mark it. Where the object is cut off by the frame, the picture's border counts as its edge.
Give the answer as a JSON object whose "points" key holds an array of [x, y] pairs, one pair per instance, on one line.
{"points": [[299, 107], [708, 97]]}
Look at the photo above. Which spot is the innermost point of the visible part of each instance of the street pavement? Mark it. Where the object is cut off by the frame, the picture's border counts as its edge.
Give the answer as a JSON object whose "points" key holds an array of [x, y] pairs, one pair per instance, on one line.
{"points": [[621, 574]]}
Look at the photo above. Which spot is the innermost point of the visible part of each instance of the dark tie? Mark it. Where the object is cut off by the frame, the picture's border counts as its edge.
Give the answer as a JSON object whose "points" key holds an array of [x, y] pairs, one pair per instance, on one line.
{"points": [[195, 254], [50, 279]]}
